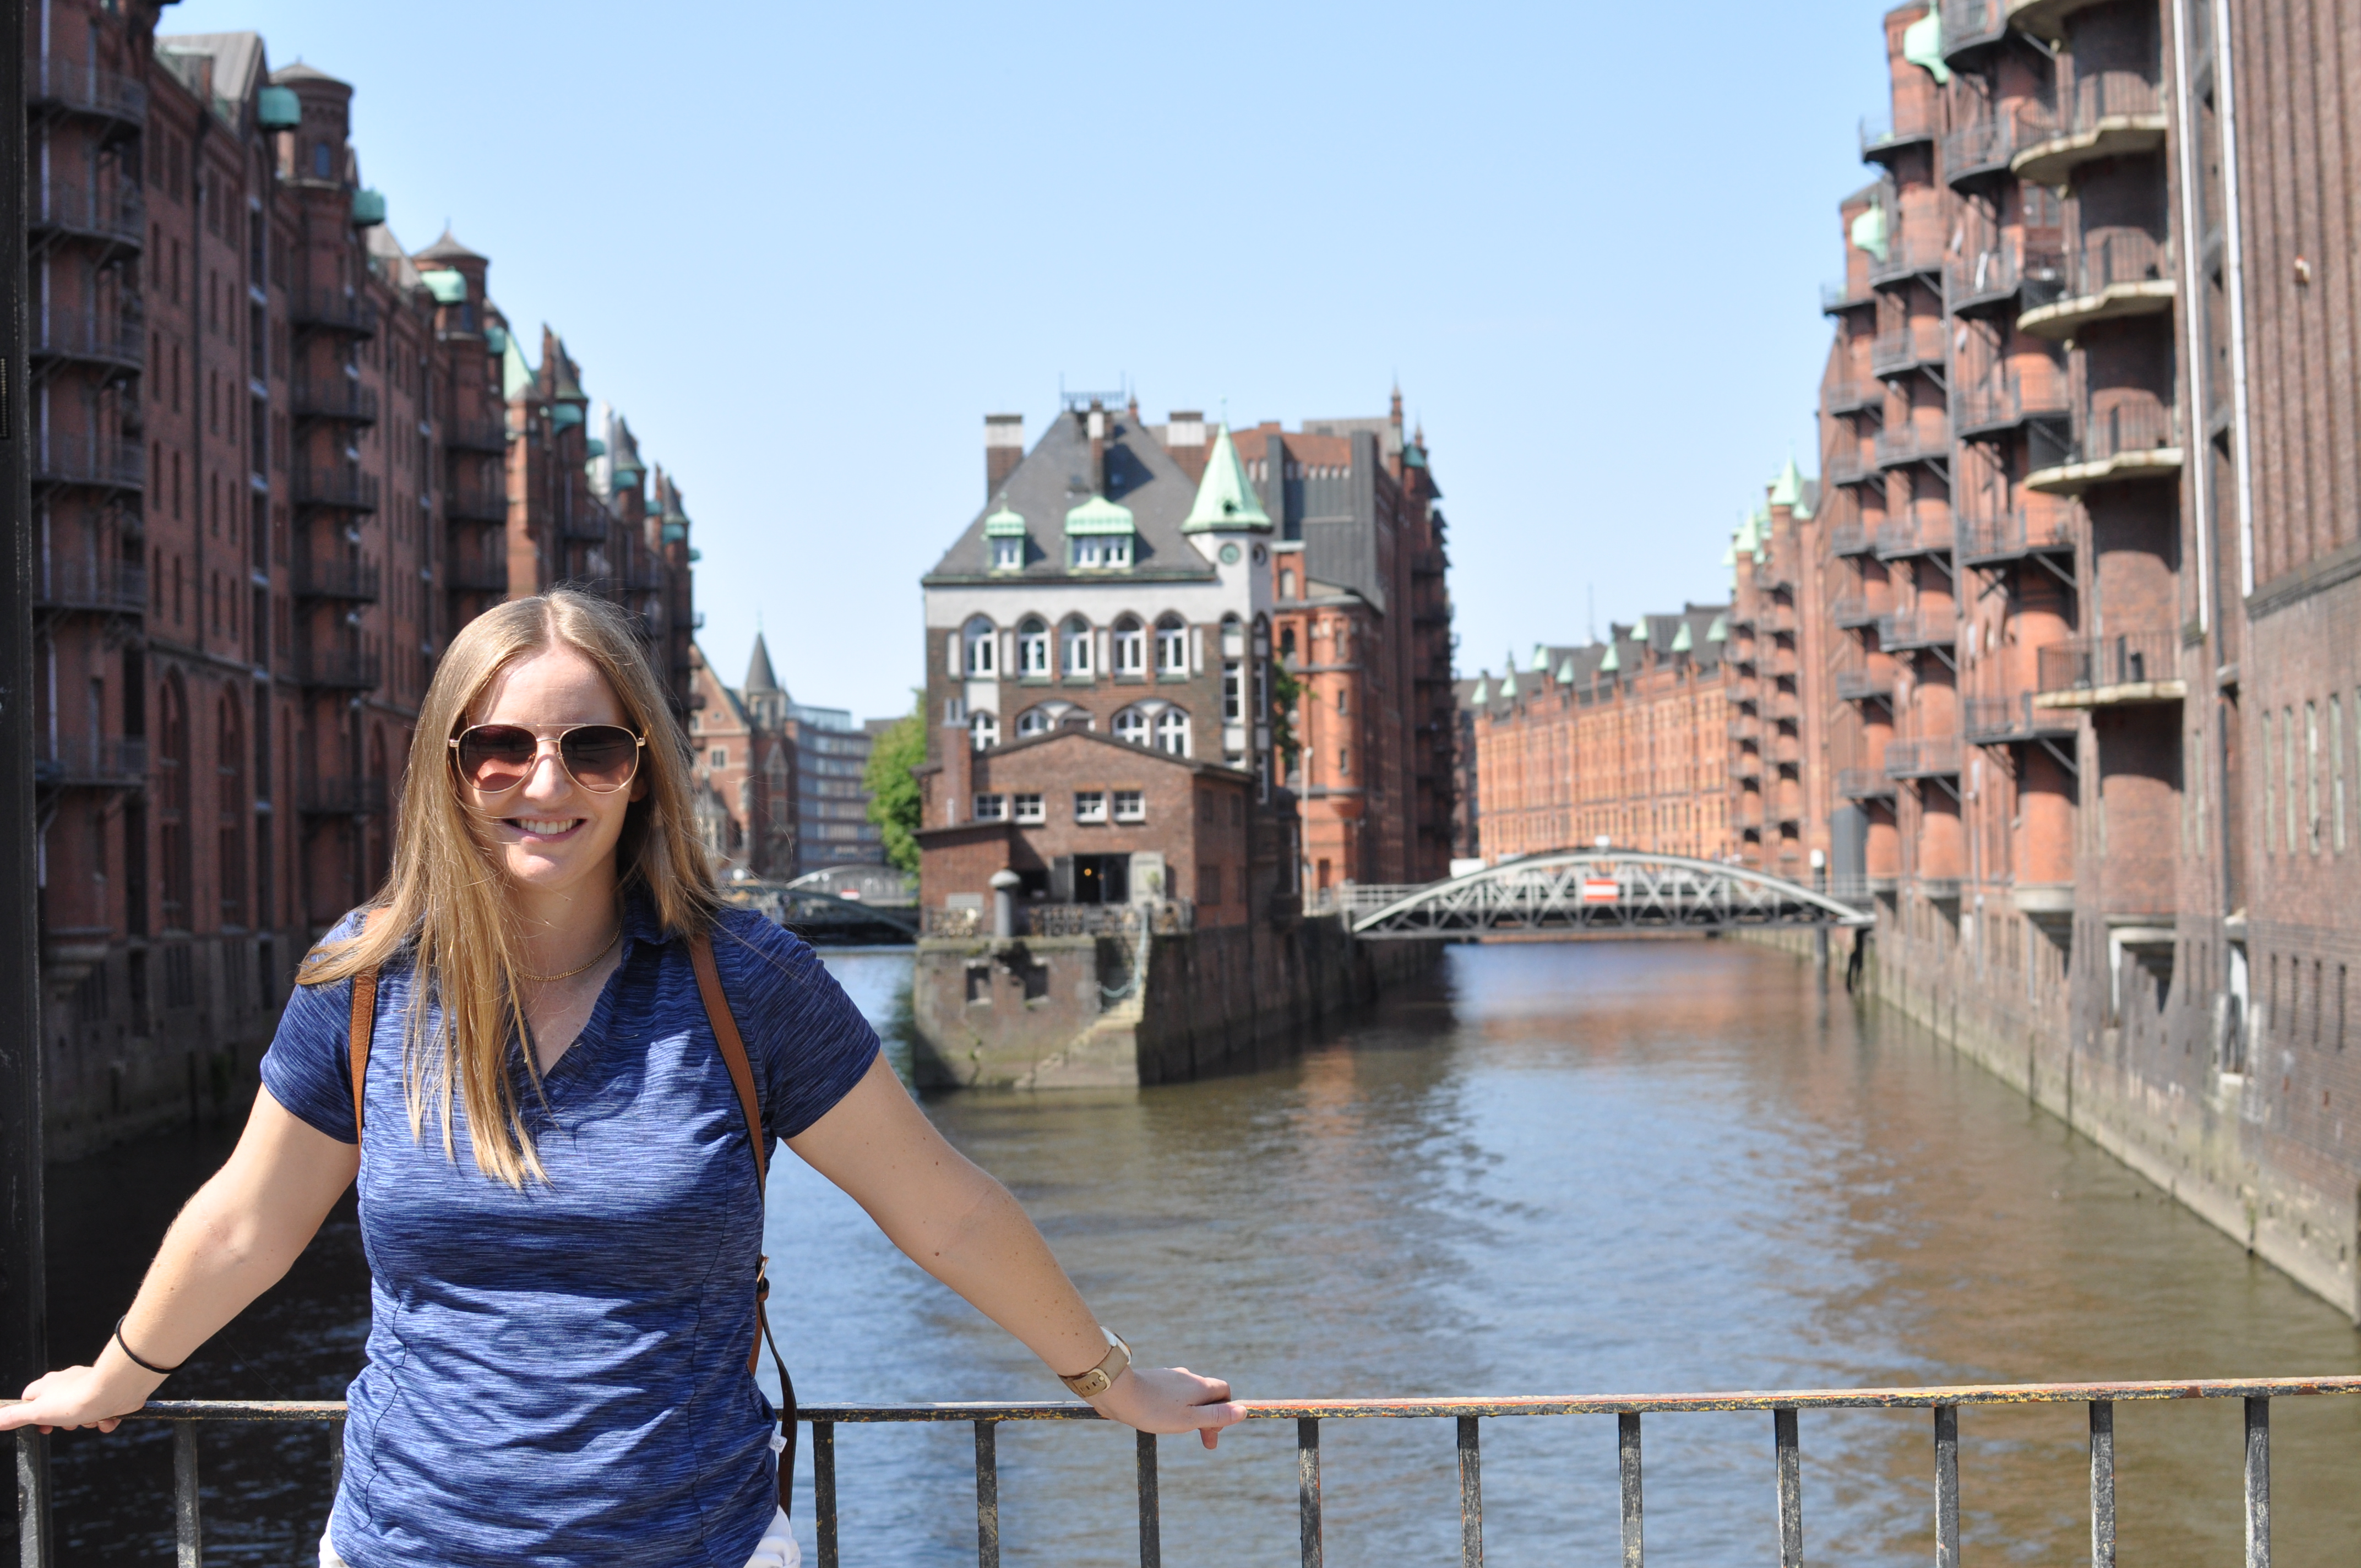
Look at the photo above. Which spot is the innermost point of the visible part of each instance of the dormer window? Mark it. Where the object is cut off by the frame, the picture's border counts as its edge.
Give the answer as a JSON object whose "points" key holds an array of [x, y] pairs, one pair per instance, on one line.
{"points": [[1111, 553], [1007, 555], [1100, 537], [1003, 534]]}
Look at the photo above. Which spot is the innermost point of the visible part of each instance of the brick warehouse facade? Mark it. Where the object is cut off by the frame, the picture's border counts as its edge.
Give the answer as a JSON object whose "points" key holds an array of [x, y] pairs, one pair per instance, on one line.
{"points": [[782, 789], [2089, 438], [272, 474]]}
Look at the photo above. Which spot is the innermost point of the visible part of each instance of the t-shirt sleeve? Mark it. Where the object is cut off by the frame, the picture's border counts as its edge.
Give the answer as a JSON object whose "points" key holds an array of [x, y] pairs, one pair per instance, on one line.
{"points": [[807, 1043], [308, 1068]]}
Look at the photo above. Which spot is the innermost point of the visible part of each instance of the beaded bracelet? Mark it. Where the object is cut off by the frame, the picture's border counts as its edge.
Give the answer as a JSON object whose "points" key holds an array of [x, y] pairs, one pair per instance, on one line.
{"points": [[136, 1361]]}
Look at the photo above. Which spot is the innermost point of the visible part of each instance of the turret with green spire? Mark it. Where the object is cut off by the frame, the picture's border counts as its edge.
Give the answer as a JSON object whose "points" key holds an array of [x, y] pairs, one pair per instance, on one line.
{"points": [[1787, 489], [1225, 497]]}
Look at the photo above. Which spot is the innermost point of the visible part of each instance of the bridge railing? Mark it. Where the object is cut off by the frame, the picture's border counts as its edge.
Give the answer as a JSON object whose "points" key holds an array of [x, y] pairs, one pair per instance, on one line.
{"points": [[1593, 889], [1785, 1407]]}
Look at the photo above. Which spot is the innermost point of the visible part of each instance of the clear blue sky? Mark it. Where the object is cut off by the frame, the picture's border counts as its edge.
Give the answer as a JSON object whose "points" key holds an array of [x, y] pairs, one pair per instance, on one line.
{"points": [[805, 248]]}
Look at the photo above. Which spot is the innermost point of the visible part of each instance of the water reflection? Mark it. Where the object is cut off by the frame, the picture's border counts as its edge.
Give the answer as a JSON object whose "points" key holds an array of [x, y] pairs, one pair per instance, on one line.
{"points": [[1561, 1168]]}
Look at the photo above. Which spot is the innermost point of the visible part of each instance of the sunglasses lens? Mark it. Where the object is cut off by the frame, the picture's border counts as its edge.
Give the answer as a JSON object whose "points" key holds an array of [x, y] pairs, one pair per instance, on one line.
{"points": [[601, 757], [496, 756]]}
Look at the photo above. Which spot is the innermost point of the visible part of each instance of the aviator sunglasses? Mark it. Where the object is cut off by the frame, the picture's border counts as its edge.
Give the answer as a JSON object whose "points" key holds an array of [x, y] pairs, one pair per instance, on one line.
{"points": [[601, 758]]}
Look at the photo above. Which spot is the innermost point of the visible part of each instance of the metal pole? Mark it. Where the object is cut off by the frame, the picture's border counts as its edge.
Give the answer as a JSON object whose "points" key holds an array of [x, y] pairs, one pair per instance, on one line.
{"points": [[24, 1287]]}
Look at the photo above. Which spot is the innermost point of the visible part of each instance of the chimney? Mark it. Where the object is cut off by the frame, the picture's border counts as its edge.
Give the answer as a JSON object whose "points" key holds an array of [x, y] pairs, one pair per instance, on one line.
{"points": [[1004, 448], [1184, 438], [1095, 421]]}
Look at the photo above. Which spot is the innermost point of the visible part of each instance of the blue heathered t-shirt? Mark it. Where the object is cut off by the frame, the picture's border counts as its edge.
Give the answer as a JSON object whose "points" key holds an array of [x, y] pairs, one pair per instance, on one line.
{"points": [[557, 1376]]}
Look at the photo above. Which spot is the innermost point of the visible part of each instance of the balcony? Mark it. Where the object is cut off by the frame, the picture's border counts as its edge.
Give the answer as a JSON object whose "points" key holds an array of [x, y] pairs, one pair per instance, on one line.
{"points": [[1853, 539], [104, 587], [1907, 629], [476, 575], [1992, 280], [1981, 149], [2118, 272], [1846, 295], [2108, 114], [58, 85], [1773, 618], [1881, 140], [644, 575], [489, 435], [346, 489], [2107, 672], [1852, 397], [1999, 721], [115, 339], [2014, 535], [346, 669], [1846, 466], [1747, 767], [1743, 728], [1779, 662], [1781, 707], [1906, 348], [1854, 611], [1922, 527], [1990, 410], [93, 762], [476, 503], [1906, 257], [64, 207], [343, 399], [1935, 757], [96, 462], [1864, 784], [341, 797], [1863, 684], [1921, 438], [588, 526], [329, 310], [2124, 441], [1748, 813], [1970, 26], [352, 580]]}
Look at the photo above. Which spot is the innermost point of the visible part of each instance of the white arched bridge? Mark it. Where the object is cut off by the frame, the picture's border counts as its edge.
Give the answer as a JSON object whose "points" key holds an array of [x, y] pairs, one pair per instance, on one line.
{"points": [[1572, 891]]}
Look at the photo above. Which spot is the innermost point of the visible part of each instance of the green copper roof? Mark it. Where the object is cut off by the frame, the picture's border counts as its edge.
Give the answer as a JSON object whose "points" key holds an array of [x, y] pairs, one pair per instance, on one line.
{"points": [[1004, 524], [1922, 44], [1787, 489], [369, 209], [1614, 659], [1541, 656], [1730, 552], [516, 376], [1747, 539], [449, 288], [1482, 696], [1099, 515], [1682, 641], [1508, 682], [1869, 232], [1719, 630], [278, 109], [1565, 671], [1225, 497]]}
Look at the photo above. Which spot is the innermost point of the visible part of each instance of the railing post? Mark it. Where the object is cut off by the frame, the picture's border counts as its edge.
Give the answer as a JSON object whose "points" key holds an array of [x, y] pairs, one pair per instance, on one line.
{"points": [[1791, 1490], [2103, 1484], [2258, 1483], [1471, 1496], [824, 1491], [1947, 1486], [987, 1499], [1151, 1523], [335, 1461], [1627, 1463], [1307, 1487], [187, 1534], [32, 1498]]}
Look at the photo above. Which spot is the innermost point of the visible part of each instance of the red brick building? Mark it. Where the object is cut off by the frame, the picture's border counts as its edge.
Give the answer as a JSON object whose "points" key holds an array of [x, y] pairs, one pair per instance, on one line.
{"points": [[1774, 662], [266, 479]]}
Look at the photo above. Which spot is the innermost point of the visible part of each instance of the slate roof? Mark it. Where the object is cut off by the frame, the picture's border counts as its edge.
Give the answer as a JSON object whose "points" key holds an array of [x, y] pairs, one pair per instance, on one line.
{"points": [[237, 65], [760, 677], [1095, 738], [448, 249], [1054, 478]]}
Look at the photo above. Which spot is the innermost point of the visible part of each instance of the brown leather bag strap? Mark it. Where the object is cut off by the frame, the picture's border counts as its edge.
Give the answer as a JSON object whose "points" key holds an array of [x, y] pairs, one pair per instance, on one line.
{"points": [[363, 1024]]}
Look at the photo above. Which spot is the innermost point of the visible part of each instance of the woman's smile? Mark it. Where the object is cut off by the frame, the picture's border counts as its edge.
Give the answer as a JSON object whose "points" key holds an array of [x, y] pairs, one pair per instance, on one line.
{"points": [[545, 828]]}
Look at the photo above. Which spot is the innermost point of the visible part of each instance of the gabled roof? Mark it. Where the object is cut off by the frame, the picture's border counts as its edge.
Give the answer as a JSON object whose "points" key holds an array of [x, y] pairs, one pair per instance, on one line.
{"points": [[1055, 479]]}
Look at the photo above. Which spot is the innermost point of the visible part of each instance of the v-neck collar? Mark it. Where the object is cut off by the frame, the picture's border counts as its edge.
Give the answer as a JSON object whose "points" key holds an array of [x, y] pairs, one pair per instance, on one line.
{"points": [[641, 929]]}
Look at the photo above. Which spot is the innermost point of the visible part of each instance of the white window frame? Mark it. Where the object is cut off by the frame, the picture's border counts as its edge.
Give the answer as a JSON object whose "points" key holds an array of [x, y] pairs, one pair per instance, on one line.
{"points": [[1171, 648], [718, 758], [1033, 721], [1007, 555], [1090, 806], [1173, 725], [1074, 651], [1234, 692], [1026, 809], [1130, 805], [1032, 649], [982, 648], [1130, 648], [984, 730], [1132, 728]]}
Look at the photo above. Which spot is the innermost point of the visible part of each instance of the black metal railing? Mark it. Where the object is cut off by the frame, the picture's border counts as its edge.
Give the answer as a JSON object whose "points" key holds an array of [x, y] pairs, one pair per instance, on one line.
{"points": [[347, 489], [1928, 757], [2014, 533], [1906, 256], [1844, 295], [86, 209], [1854, 609], [1990, 278], [331, 310], [486, 434], [342, 668], [1850, 396], [1996, 720], [58, 84], [1859, 683], [99, 461], [1863, 783], [472, 575], [1922, 527], [478, 503], [1846, 466], [2125, 659], [92, 761], [333, 796], [339, 398], [1917, 629], [106, 337], [1990, 410], [115, 586], [1855, 538], [1970, 24], [1918, 437], [1980, 148], [336, 579], [1785, 1407], [1168, 916], [1906, 347]]}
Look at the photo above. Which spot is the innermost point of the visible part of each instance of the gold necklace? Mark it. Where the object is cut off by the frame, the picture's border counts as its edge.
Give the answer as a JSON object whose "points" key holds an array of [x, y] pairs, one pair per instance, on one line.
{"points": [[569, 974]]}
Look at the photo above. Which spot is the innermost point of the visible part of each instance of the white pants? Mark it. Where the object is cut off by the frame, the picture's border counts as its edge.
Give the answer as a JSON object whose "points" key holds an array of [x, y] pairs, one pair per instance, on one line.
{"points": [[777, 1549]]}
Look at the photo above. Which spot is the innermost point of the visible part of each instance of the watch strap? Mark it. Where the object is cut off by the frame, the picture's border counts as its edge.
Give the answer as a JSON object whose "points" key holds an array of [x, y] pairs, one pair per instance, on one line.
{"points": [[1098, 1379]]}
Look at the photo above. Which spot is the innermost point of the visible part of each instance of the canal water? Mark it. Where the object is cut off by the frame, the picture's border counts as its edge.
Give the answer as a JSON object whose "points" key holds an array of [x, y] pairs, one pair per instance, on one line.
{"points": [[1555, 1169]]}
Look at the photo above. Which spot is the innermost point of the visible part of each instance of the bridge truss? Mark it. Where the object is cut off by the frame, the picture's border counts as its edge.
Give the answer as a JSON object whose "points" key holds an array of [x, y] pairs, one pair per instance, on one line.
{"points": [[1572, 891]]}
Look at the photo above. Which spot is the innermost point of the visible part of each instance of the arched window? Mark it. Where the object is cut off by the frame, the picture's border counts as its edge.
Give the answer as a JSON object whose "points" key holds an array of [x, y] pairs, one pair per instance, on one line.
{"points": [[1075, 646], [982, 644], [983, 728], [172, 802], [1131, 726], [1171, 646], [1032, 648], [1130, 647], [1034, 721], [1287, 646], [231, 807], [1172, 732]]}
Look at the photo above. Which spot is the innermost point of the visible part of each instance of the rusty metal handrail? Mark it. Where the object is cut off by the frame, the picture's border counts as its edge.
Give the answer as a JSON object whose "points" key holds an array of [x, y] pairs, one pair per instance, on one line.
{"points": [[1784, 1405]]}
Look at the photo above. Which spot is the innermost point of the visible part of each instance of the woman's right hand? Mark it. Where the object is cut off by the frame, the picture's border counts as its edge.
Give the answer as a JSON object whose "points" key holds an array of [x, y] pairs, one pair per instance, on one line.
{"points": [[82, 1397]]}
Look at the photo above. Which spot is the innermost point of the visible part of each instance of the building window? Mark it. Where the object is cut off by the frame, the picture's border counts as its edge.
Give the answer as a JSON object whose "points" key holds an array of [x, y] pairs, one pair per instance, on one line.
{"points": [[1172, 732], [1233, 694], [983, 728], [2270, 784], [1130, 647], [982, 641], [2287, 776], [1131, 726], [1343, 762], [1028, 809], [1130, 805], [2311, 773], [1033, 721], [1089, 806], [1074, 640], [1209, 885], [991, 809], [1007, 555], [2336, 770], [721, 757], [1096, 551], [1287, 583], [1171, 646], [1032, 649]]}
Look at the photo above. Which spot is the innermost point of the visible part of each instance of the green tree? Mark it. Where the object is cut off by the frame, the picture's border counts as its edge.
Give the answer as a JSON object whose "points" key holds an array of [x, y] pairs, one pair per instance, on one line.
{"points": [[1286, 693], [892, 788]]}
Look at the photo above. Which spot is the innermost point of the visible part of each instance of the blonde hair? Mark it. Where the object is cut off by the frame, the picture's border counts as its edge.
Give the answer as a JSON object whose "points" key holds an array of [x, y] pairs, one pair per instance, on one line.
{"points": [[446, 899]]}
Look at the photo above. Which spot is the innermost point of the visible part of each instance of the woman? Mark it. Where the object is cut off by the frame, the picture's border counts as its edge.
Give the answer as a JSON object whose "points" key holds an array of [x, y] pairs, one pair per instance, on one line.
{"points": [[559, 1367]]}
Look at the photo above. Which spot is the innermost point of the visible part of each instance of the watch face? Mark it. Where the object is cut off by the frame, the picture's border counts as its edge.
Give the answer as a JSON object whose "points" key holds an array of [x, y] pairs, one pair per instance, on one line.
{"points": [[1229, 554]]}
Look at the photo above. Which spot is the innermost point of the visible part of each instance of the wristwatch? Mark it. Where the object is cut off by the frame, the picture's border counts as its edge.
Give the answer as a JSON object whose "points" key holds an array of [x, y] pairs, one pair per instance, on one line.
{"points": [[1097, 1380]]}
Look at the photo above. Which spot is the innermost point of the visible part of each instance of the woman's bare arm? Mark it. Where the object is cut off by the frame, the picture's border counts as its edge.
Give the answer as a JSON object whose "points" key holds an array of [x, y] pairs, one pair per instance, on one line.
{"points": [[231, 1243], [962, 1227]]}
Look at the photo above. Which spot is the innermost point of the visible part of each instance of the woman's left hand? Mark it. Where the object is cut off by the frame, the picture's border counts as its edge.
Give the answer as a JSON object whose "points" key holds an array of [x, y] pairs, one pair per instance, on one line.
{"points": [[1171, 1399]]}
